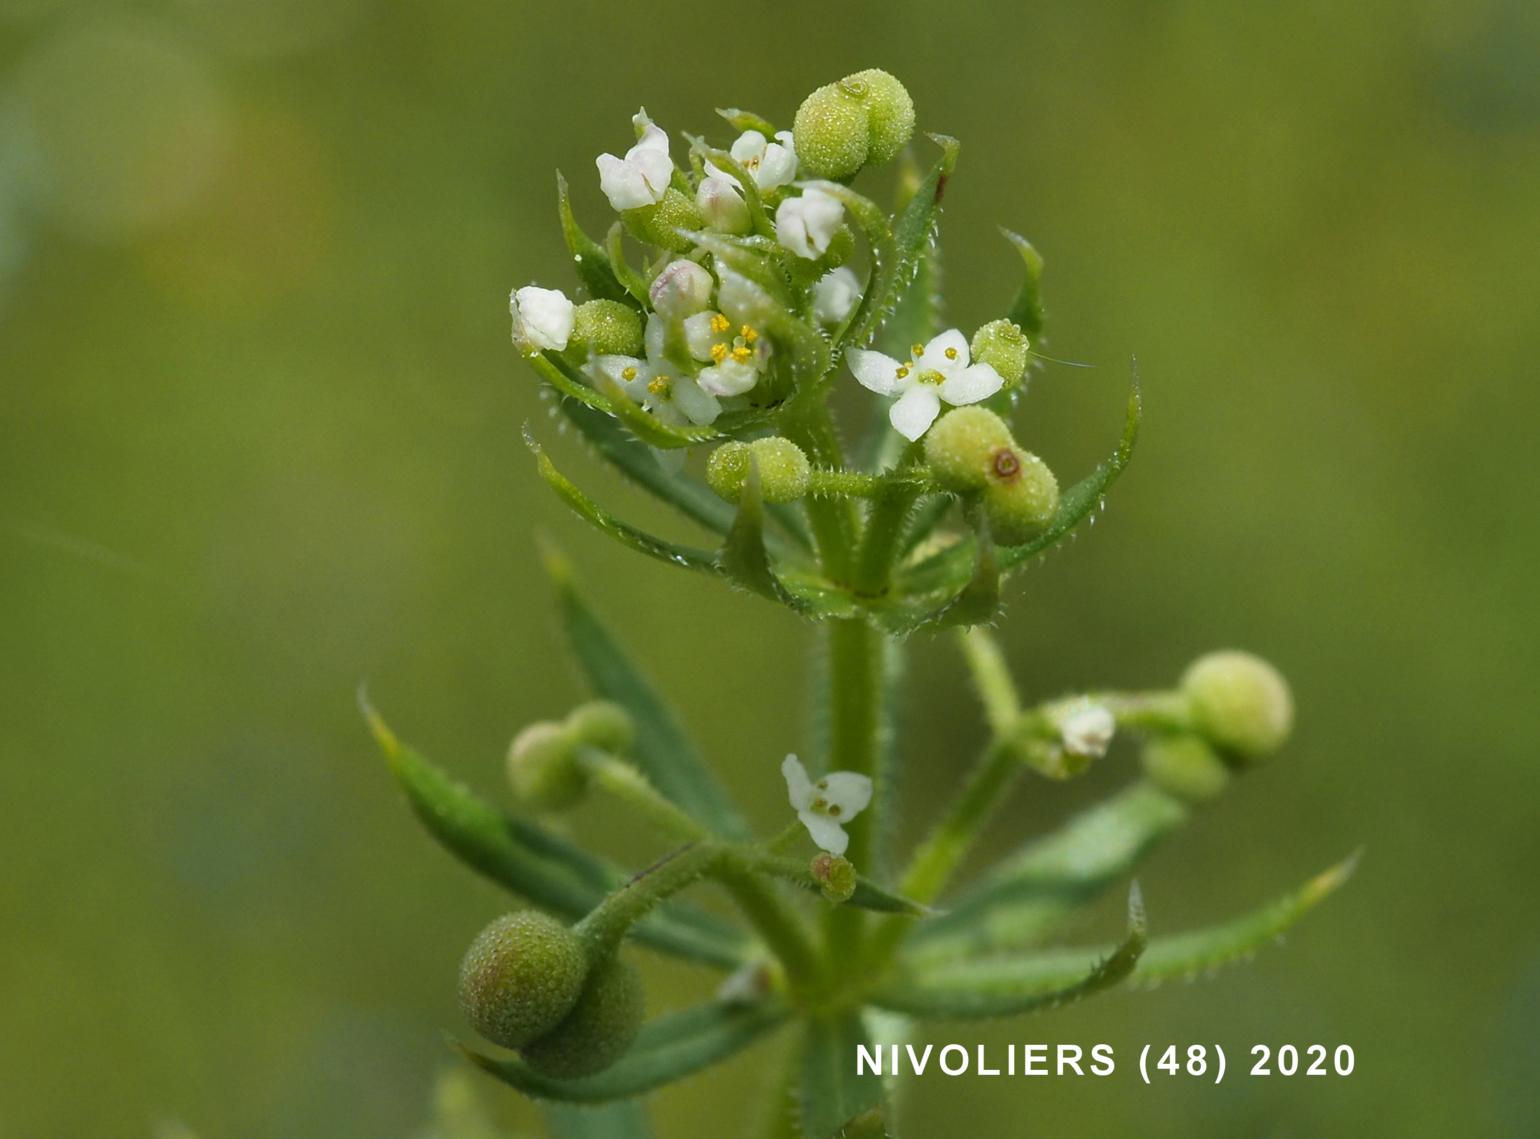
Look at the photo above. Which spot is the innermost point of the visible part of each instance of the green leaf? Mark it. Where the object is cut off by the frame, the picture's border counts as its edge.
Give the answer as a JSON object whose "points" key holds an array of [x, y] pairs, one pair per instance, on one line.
{"points": [[976, 603], [1017, 985], [1205, 950], [899, 258], [1037, 890], [868, 895], [832, 1095], [593, 264], [867, 213], [724, 161], [744, 559], [625, 1119], [663, 751], [741, 120], [945, 572], [1027, 309], [666, 1050], [630, 280], [529, 861], [606, 523]]}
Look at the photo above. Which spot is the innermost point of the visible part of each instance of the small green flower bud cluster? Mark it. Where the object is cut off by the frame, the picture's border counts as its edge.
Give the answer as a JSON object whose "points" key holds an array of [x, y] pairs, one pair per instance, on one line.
{"points": [[971, 451], [784, 470], [607, 328], [1004, 347], [543, 762], [659, 224], [526, 983], [863, 120], [1186, 766]]}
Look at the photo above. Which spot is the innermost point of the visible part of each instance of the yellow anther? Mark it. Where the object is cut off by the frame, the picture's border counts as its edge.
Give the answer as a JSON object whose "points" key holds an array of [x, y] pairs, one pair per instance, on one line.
{"points": [[951, 353], [931, 376], [917, 350], [720, 323], [748, 334], [742, 354], [903, 370], [718, 352], [628, 374], [658, 385]]}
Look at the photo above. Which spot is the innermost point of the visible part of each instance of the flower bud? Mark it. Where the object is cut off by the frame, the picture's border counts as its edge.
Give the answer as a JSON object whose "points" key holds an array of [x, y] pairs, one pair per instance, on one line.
{"points": [[1240, 703], [607, 328], [682, 289], [836, 876], [1020, 497], [1185, 766], [521, 978], [865, 118], [784, 471], [660, 223], [963, 445], [543, 767], [890, 113], [722, 206], [598, 1030], [542, 319], [1003, 346], [835, 295], [603, 725]]}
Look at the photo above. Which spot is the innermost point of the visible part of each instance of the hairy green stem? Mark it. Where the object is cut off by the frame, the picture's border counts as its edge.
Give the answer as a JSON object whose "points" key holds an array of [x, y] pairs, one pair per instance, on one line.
{"points": [[628, 784], [606, 924], [777, 924]]}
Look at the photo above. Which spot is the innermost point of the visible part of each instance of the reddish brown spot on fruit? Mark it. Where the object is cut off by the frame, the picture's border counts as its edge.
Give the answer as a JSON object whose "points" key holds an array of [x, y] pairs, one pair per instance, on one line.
{"points": [[1005, 465]]}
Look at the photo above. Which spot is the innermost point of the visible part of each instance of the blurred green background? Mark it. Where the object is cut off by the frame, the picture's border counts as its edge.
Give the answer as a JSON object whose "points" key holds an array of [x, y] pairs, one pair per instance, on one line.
{"points": [[259, 441]]}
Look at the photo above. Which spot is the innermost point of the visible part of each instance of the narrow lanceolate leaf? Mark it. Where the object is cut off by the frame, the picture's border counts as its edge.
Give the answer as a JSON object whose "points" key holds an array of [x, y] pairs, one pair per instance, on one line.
{"points": [[667, 1049], [1028, 985], [868, 895], [640, 464], [741, 120], [1204, 950], [533, 863], [606, 523], [1036, 891], [630, 280], [947, 570], [663, 752], [978, 601], [744, 559], [832, 1095], [1027, 309], [626, 1119], [593, 264], [898, 259], [724, 161]]}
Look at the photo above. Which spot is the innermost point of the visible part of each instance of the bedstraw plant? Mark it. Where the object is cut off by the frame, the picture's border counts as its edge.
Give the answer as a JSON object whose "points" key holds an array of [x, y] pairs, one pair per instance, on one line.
{"points": [[739, 289]]}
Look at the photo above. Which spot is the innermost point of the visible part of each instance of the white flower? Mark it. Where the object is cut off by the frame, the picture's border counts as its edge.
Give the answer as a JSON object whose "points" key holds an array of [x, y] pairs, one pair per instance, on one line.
{"points": [[656, 384], [836, 798], [722, 205], [542, 318], [807, 224], [835, 294], [736, 352], [1087, 731], [770, 164], [936, 371], [682, 289], [642, 176]]}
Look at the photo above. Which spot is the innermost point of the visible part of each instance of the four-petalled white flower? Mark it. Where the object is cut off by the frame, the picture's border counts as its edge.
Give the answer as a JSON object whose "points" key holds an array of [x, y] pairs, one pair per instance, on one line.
{"points": [[674, 397], [935, 372], [823, 806], [733, 349], [807, 224], [542, 318], [771, 164], [640, 178], [1087, 730]]}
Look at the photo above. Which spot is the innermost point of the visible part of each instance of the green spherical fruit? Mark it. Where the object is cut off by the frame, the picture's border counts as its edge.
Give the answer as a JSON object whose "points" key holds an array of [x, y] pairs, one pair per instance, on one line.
{"points": [[607, 328], [890, 113], [543, 767], [784, 470], [831, 133], [1003, 346], [598, 1030], [521, 978], [660, 223], [1020, 496], [963, 445], [1240, 703], [728, 469], [1186, 767], [602, 724]]}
